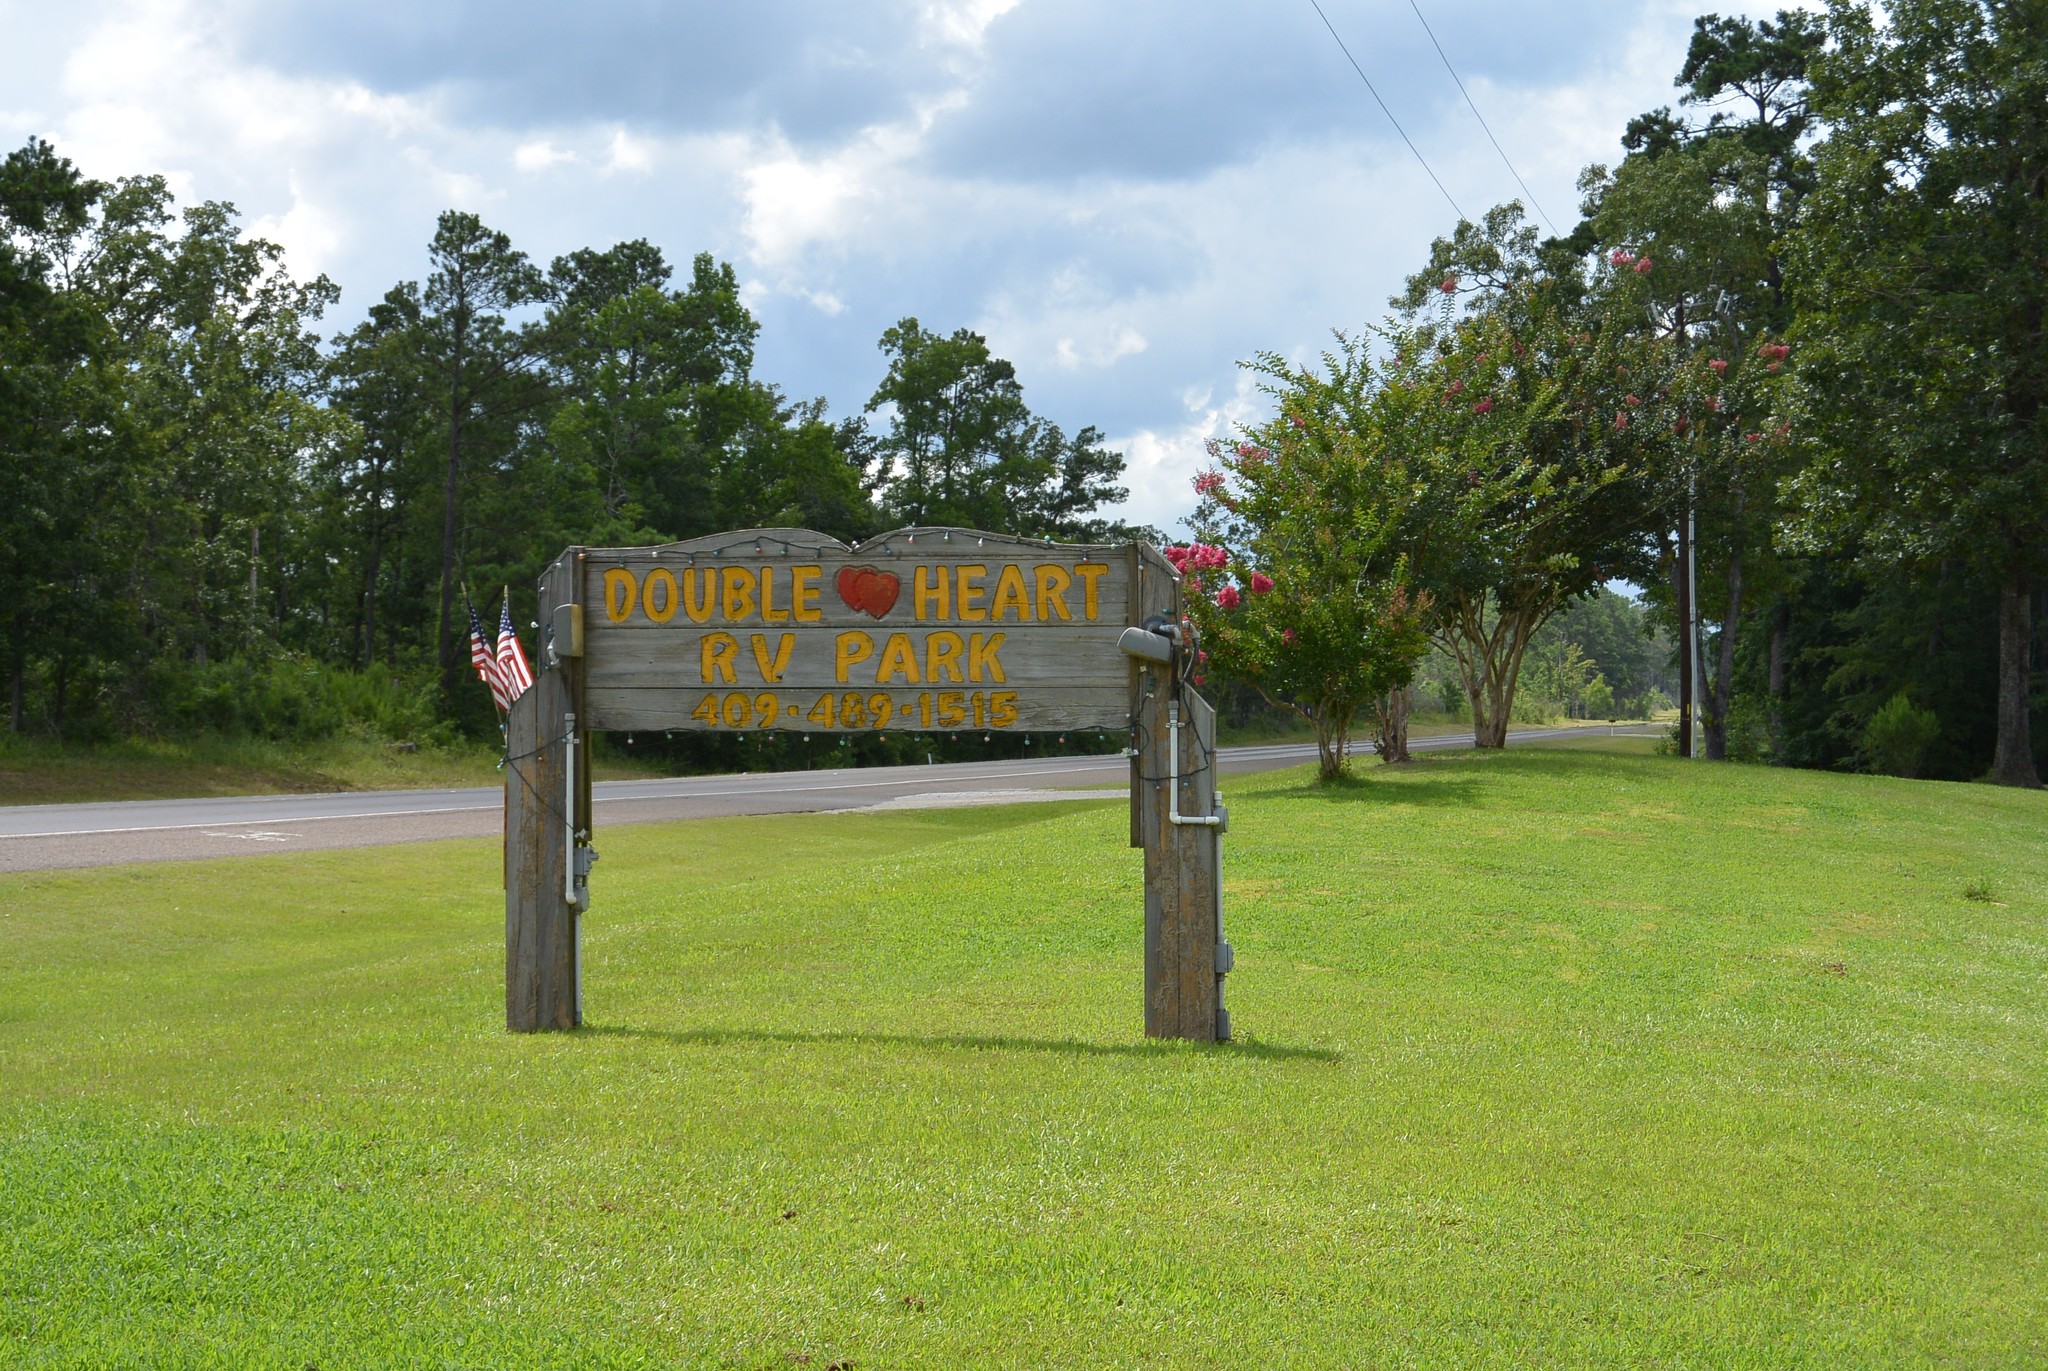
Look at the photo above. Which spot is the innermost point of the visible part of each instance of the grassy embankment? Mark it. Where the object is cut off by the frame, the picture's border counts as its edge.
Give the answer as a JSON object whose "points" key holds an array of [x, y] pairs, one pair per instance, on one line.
{"points": [[39, 772], [1556, 1057]]}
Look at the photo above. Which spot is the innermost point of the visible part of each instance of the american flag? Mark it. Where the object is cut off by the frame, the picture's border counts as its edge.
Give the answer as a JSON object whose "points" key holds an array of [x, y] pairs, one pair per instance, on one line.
{"points": [[486, 665], [511, 657]]}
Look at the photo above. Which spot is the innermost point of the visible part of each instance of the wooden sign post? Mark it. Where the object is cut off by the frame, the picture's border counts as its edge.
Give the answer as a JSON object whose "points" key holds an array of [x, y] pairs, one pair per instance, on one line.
{"points": [[923, 630]]}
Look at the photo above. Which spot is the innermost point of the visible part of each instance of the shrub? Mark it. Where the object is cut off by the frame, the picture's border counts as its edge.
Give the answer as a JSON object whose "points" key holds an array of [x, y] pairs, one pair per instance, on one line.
{"points": [[1898, 736]]}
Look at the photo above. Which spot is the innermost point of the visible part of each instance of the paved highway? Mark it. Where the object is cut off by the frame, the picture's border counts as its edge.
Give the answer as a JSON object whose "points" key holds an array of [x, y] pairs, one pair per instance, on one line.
{"points": [[40, 837]]}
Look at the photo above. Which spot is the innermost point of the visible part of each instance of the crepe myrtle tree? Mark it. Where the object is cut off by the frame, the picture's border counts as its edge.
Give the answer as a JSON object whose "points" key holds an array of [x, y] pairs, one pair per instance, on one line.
{"points": [[1558, 414], [1303, 592]]}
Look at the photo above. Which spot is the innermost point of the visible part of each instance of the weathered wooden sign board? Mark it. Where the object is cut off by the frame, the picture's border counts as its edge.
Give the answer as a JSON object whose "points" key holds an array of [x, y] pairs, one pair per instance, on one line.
{"points": [[929, 630]]}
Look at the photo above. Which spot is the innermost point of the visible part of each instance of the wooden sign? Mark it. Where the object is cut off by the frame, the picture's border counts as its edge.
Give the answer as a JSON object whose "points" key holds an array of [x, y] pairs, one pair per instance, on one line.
{"points": [[923, 629]]}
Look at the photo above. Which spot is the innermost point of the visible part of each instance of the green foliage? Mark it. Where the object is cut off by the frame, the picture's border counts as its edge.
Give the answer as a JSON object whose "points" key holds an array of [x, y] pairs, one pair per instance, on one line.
{"points": [[1924, 362], [192, 484], [1897, 738], [962, 448], [1306, 597], [1530, 1044]]}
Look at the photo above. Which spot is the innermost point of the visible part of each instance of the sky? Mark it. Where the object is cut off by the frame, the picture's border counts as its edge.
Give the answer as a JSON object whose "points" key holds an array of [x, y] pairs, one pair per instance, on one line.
{"points": [[1127, 199]]}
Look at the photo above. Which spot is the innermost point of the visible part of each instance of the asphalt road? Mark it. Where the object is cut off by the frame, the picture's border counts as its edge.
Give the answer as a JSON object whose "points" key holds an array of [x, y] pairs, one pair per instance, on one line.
{"points": [[42, 837]]}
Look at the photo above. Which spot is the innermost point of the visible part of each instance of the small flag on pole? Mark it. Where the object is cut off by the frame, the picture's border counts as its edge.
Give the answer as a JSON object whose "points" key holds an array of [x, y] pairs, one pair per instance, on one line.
{"points": [[486, 665], [512, 663]]}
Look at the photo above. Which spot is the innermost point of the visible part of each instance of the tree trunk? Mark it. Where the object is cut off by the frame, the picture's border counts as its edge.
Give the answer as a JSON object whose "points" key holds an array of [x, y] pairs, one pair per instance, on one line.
{"points": [[1333, 740], [2013, 762], [17, 692], [1724, 663], [449, 661], [1393, 718], [1779, 627]]}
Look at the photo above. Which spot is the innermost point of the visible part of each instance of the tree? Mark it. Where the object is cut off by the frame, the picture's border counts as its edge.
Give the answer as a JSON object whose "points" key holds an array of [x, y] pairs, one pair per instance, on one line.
{"points": [[1693, 217], [1924, 310], [962, 447], [1543, 414], [1305, 595], [49, 339], [484, 377]]}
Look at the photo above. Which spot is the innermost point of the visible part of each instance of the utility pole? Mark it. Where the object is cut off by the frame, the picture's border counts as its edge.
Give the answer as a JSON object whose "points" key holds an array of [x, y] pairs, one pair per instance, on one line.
{"points": [[1685, 636]]}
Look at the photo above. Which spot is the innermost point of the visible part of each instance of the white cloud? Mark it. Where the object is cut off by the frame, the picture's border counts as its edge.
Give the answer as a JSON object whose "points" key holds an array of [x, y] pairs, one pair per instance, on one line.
{"points": [[539, 155], [1103, 352], [629, 153], [1126, 297]]}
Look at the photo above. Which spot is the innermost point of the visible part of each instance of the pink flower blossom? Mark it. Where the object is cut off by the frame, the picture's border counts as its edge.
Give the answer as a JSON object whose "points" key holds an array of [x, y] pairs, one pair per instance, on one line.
{"points": [[1714, 403], [1450, 284], [1201, 654], [1643, 265], [1455, 389], [1208, 481], [1752, 437], [1620, 420], [1178, 555], [1228, 598], [1480, 360], [1297, 421], [1773, 366], [1194, 584], [1681, 426], [1621, 257], [1261, 583], [1720, 367], [1287, 635], [1485, 406], [1632, 401]]}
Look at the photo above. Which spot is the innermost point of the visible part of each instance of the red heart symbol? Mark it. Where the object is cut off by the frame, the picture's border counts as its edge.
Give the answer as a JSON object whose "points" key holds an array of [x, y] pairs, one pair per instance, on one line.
{"points": [[869, 589]]}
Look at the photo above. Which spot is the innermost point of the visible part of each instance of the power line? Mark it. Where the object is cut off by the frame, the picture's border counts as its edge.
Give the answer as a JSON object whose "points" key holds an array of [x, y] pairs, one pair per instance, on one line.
{"points": [[1383, 108], [1480, 117]]}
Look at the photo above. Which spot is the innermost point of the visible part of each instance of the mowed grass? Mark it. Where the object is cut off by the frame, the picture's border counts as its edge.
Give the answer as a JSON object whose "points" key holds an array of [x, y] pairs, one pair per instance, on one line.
{"points": [[38, 771], [1552, 1058]]}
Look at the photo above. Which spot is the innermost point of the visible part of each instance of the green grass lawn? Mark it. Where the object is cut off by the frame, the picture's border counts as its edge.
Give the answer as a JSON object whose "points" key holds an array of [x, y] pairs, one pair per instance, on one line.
{"points": [[1560, 1057]]}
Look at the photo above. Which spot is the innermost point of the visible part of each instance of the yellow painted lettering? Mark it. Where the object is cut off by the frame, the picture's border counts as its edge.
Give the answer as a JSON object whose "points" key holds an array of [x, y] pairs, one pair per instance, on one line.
{"points": [[738, 600], [982, 662], [899, 658], [942, 655], [1052, 593], [850, 650], [716, 652], [803, 593], [772, 667], [698, 607], [621, 592], [1091, 597], [971, 592], [933, 591], [769, 613], [665, 580], [1011, 595]]}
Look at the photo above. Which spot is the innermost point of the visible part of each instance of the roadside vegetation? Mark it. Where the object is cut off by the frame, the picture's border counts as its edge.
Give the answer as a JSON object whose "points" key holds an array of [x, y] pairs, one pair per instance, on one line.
{"points": [[1553, 1057]]}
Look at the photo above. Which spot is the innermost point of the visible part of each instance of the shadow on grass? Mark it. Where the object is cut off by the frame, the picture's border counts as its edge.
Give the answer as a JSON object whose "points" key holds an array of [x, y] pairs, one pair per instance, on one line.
{"points": [[1392, 785], [1069, 1047]]}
